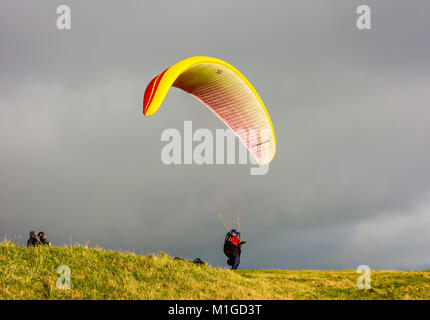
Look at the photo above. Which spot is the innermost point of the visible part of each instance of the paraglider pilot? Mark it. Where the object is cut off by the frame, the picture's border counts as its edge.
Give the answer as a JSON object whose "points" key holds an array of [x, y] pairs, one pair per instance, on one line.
{"points": [[232, 248]]}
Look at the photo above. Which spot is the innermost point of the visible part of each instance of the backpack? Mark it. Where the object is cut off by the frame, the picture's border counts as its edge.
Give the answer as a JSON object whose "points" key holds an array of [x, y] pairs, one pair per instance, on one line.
{"points": [[230, 242]]}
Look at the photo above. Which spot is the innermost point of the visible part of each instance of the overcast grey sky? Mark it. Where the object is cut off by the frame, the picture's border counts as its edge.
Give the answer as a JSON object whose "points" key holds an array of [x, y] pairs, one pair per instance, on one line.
{"points": [[349, 185]]}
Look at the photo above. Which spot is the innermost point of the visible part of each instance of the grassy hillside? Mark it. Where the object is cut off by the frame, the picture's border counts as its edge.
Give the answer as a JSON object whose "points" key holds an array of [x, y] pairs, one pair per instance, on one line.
{"points": [[101, 274]]}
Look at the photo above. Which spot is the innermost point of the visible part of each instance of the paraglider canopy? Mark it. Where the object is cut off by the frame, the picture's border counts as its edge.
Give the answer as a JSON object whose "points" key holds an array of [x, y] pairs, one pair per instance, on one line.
{"points": [[227, 93]]}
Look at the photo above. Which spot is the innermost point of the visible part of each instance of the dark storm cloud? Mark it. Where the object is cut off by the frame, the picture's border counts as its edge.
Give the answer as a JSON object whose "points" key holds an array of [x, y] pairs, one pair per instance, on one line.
{"points": [[350, 110]]}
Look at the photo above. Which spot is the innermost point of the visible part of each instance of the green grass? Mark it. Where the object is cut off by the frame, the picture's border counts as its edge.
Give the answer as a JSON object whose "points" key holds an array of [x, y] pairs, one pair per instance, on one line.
{"points": [[103, 274]]}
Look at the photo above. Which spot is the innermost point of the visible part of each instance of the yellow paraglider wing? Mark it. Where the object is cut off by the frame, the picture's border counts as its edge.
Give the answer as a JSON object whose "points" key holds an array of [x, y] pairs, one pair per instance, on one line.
{"points": [[225, 91]]}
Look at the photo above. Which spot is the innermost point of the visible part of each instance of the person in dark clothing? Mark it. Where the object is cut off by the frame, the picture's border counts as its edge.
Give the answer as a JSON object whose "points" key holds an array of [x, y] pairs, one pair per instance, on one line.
{"points": [[42, 238], [33, 241], [232, 248]]}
